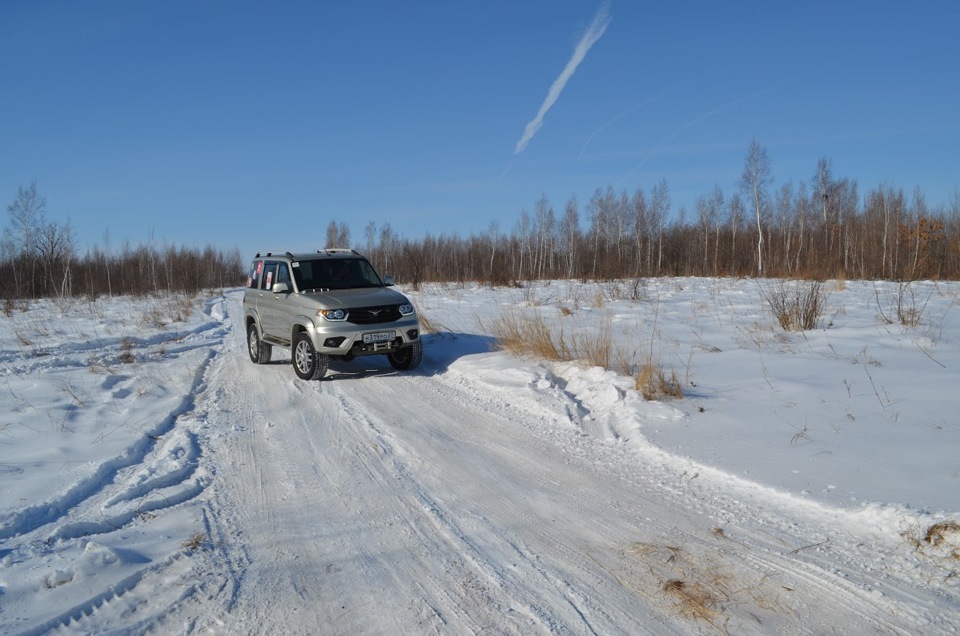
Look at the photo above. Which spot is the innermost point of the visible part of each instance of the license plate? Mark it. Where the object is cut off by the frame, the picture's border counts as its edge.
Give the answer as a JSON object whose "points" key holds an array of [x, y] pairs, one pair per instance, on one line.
{"points": [[378, 336]]}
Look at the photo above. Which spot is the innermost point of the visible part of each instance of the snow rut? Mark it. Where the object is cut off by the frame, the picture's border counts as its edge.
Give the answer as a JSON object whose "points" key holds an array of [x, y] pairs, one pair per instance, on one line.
{"points": [[114, 502]]}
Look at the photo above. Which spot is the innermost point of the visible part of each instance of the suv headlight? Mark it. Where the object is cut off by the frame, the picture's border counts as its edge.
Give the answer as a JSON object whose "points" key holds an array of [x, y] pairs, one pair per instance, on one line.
{"points": [[406, 309], [335, 315]]}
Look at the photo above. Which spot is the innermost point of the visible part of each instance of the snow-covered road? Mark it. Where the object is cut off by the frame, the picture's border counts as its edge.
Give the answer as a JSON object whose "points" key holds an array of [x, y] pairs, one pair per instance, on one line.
{"points": [[378, 502], [480, 493]]}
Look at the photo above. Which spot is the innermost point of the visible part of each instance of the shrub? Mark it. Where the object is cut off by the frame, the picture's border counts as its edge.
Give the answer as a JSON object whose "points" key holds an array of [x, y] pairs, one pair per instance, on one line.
{"points": [[797, 306]]}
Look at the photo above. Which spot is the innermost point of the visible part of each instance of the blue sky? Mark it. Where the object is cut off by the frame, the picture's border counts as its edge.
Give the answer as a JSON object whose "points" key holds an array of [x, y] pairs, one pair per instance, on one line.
{"points": [[254, 124]]}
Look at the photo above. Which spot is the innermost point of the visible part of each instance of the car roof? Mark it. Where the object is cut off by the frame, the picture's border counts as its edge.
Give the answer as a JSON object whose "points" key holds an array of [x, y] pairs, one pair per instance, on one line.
{"points": [[310, 256]]}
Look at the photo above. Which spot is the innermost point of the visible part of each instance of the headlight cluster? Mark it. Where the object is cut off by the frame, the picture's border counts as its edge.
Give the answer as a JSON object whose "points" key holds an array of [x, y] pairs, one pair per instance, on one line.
{"points": [[406, 309], [335, 315]]}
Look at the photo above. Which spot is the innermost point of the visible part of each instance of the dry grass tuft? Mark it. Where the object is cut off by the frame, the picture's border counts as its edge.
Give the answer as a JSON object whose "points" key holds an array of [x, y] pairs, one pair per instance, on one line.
{"points": [[596, 348], [840, 282], [940, 540], [126, 351], [942, 532], [194, 542], [654, 384], [428, 325], [694, 600], [697, 590], [697, 582], [522, 335], [9, 307], [530, 334]]}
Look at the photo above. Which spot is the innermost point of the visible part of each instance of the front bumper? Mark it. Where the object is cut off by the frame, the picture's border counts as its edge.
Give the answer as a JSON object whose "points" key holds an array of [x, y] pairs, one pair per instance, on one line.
{"points": [[347, 339]]}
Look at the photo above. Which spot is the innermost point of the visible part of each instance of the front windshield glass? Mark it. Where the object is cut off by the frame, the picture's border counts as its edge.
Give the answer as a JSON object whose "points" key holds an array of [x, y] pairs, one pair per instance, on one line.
{"points": [[335, 273]]}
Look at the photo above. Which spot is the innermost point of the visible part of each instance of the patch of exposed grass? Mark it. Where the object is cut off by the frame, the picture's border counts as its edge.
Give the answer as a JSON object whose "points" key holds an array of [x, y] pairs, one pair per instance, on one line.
{"points": [[653, 382], [126, 351], [531, 334], [427, 325], [694, 600], [521, 335], [942, 532], [169, 309], [595, 348], [194, 542], [939, 541]]}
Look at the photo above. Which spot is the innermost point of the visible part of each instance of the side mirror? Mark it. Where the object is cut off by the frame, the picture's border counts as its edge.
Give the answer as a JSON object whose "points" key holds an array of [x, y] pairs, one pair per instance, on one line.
{"points": [[388, 281], [281, 288]]}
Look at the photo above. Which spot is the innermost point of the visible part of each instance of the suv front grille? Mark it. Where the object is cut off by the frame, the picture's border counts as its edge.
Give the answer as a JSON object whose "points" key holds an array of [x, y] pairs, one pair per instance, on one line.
{"points": [[374, 315]]}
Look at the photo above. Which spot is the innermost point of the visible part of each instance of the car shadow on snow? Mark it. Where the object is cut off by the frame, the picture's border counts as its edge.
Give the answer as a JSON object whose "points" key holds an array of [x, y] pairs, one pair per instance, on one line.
{"points": [[440, 350]]}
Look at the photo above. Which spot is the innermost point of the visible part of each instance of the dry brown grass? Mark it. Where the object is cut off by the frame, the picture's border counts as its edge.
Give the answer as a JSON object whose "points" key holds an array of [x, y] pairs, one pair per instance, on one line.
{"points": [[939, 541], [595, 348], [696, 590], [429, 326], [521, 335], [126, 351], [653, 383], [694, 600], [530, 334], [194, 542], [840, 282], [942, 532]]}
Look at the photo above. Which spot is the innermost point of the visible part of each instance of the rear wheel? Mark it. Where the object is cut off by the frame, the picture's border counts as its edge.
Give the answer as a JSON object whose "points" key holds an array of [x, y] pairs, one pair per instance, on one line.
{"points": [[408, 357], [307, 363], [260, 351]]}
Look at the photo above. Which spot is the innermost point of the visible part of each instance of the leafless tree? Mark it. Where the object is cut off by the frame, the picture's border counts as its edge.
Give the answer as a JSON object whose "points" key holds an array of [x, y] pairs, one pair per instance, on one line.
{"points": [[659, 208], [754, 180], [55, 251], [27, 217]]}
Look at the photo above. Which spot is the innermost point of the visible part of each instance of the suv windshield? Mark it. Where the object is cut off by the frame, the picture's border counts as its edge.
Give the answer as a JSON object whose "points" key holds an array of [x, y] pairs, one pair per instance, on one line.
{"points": [[335, 273]]}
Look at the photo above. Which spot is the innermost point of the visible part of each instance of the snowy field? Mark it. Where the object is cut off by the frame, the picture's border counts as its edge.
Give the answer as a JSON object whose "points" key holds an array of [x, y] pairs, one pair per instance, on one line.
{"points": [[154, 480]]}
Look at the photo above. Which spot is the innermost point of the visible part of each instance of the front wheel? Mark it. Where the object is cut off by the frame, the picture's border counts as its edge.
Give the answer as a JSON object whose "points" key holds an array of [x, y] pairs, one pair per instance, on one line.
{"points": [[408, 357], [307, 363], [260, 351]]}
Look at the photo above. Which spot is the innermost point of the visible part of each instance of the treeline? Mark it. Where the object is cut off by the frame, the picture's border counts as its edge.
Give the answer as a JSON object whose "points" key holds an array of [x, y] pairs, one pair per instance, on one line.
{"points": [[817, 230], [820, 229], [40, 260]]}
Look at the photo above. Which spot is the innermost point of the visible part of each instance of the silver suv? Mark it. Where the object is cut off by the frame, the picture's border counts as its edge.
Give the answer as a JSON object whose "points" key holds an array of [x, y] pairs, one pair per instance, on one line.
{"points": [[328, 303]]}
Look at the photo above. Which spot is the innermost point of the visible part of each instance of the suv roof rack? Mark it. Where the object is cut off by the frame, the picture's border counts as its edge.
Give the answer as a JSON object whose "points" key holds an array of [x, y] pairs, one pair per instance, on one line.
{"points": [[267, 254], [337, 250]]}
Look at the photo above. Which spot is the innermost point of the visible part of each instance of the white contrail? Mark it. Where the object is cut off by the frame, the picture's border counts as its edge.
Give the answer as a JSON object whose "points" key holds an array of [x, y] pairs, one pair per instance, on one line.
{"points": [[596, 29], [623, 114], [690, 123]]}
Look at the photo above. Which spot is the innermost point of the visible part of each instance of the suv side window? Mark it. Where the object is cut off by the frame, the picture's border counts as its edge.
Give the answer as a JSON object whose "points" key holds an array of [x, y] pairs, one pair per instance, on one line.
{"points": [[283, 274], [269, 275], [253, 279]]}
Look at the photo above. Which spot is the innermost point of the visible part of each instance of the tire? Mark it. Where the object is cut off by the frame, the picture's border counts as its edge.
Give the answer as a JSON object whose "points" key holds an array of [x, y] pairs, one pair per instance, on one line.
{"points": [[260, 351], [407, 358], [307, 363]]}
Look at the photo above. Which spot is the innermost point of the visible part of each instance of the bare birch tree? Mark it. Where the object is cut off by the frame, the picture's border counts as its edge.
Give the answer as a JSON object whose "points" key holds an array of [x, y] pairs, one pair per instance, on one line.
{"points": [[756, 177]]}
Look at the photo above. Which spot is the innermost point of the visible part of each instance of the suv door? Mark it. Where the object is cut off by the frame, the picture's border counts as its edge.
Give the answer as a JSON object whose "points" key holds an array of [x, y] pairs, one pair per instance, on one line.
{"points": [[273, 307]]}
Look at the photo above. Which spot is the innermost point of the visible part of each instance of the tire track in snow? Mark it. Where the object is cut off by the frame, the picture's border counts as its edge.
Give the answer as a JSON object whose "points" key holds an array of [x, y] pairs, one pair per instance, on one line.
{"points": [[160, 470], [31, 518], [531, 584], [397, 503], [809, 584]]}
